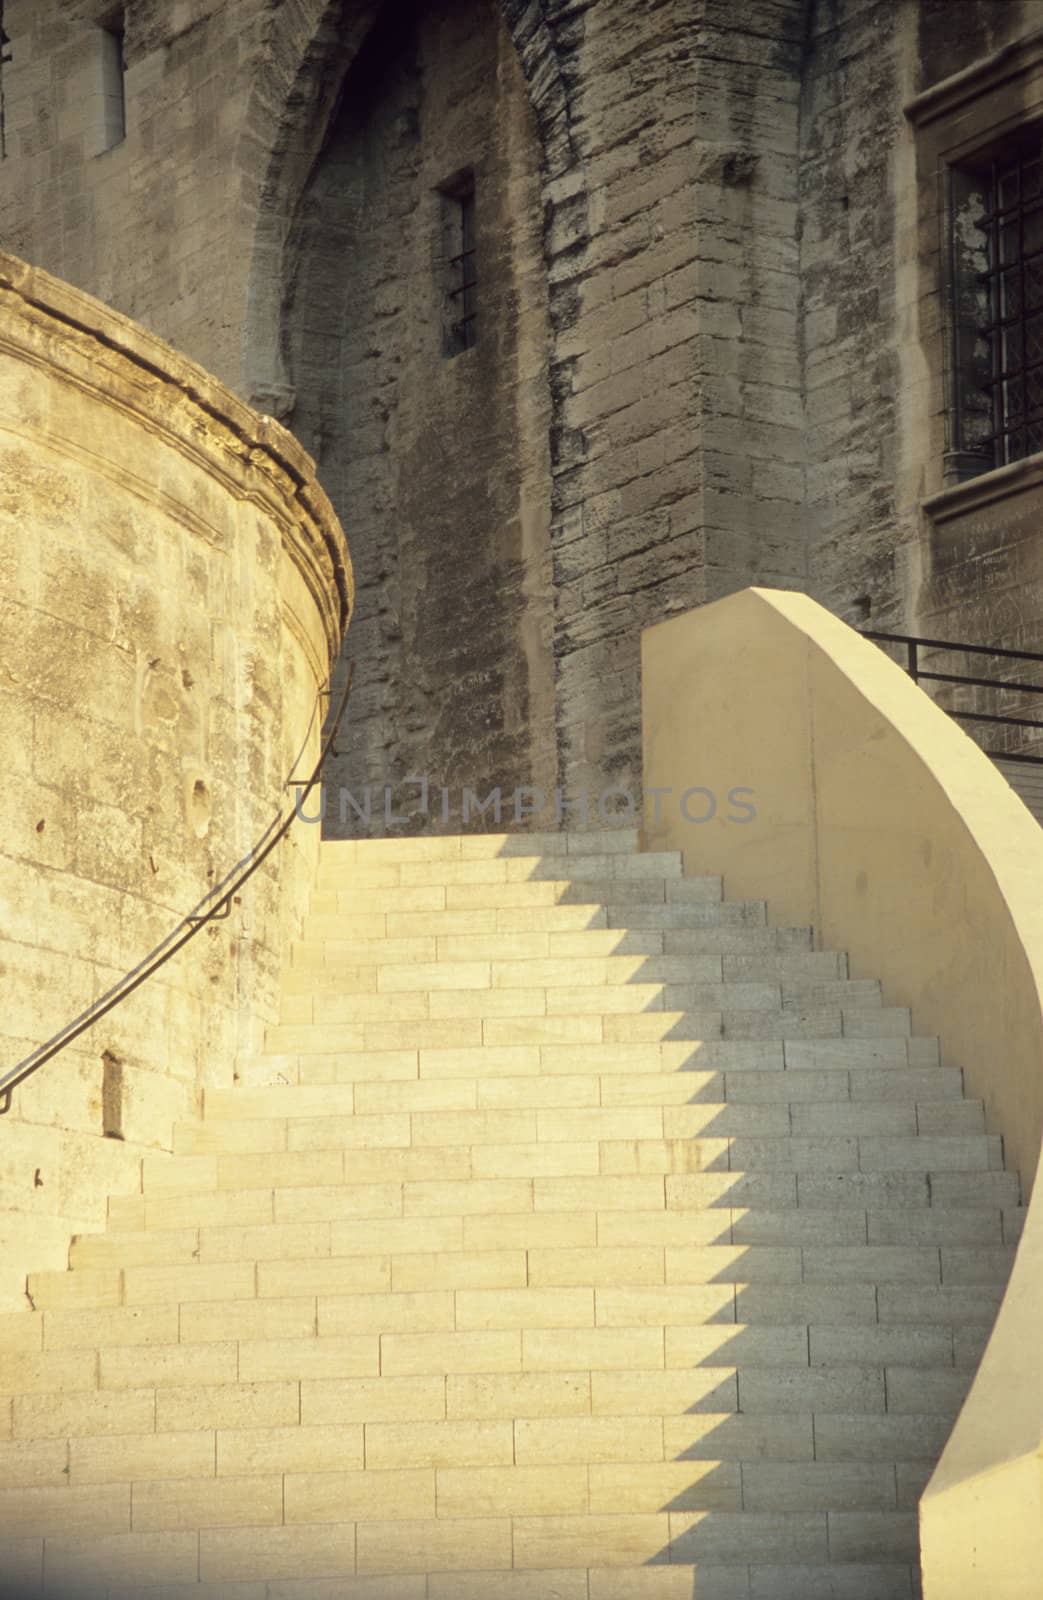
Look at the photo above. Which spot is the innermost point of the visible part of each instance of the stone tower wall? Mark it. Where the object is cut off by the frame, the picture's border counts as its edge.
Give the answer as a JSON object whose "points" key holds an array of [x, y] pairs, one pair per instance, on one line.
{"points": [[174, 585]]}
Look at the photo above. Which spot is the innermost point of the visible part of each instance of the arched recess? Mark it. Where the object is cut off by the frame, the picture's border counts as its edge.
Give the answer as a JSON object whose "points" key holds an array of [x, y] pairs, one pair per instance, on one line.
{"points": [[306, 50], [442, 469]]}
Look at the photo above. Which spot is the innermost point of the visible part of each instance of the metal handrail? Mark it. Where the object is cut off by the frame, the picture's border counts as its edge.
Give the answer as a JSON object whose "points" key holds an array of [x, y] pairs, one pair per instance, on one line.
{"points": [[950, 644], [215, 905], [913, 642]]}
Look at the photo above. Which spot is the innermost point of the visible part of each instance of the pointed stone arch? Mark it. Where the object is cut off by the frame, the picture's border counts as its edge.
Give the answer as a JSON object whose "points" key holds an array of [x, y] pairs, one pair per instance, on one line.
{"points": [[307, 48]]}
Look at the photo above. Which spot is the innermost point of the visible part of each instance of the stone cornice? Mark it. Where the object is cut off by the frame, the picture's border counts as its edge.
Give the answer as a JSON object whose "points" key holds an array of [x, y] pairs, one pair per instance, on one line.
{"points": [[991, 72], [128, 367]]}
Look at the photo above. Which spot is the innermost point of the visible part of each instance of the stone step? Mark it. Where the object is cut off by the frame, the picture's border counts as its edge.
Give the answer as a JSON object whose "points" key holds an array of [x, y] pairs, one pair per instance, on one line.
{"points": [[681, 1069], [333, 931], [866, 1117], [628, 1114], [694, 915], [508, 999], [524, 1159], [748, 945], [479, 846], [800, 1020], [709, 1580], [851, 1054], [548, 917], [304, 1100], [695, 982], [775, 1192], [365, 873], [622, 1286], [740, 939], [324, 963], [592, 1055], [514, 893], [861, 1086], [970, 1242], [448, 1132], [585, 1226], [560, 1027], [490, 968], [794, 965], [170, 1247], [467, 1120]]}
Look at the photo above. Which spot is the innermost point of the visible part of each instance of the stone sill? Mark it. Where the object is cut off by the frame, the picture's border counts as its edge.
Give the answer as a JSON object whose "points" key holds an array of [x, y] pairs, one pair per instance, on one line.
{"points": [[988, 487]]}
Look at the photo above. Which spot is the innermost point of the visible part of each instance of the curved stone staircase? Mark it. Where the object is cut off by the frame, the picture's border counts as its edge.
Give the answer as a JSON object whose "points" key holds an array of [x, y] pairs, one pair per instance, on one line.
{"points": [[591, 1240]]}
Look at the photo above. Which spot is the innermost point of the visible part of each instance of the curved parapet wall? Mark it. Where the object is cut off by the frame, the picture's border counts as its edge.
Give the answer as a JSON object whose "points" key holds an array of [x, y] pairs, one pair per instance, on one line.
{"points": [[880, 823], [173, 587]]}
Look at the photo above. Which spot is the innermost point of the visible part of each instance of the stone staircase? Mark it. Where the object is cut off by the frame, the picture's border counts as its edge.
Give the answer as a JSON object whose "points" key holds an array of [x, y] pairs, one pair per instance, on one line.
{"points": [[590, 1239]]}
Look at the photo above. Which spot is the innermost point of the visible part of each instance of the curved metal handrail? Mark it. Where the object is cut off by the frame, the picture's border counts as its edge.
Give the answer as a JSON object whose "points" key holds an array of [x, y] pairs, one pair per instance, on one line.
{"points": [[215, 905]]}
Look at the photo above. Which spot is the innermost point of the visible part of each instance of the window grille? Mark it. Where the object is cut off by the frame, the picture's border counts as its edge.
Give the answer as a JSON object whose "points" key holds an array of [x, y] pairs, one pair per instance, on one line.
{"points": [[463, 286], [1013, 226]]}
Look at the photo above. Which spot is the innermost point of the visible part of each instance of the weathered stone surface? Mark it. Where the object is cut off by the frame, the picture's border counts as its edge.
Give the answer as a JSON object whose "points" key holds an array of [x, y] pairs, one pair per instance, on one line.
{"points": [[174, 583], [712, 311]]}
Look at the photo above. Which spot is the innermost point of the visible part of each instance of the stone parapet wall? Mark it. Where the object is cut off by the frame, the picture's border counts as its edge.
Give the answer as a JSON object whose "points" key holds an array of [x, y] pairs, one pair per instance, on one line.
{"points": [[173, 586]]}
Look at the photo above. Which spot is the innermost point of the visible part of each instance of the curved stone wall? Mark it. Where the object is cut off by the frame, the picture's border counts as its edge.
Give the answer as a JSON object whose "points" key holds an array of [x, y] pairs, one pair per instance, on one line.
{"points": [[173, 588]]}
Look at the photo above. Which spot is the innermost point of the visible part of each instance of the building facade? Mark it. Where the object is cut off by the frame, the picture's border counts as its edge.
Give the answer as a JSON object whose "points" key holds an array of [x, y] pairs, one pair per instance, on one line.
{"points": [[588, 312]]}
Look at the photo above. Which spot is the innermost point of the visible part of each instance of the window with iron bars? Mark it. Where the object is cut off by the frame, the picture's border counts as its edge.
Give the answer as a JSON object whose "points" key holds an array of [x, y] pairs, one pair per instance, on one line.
{"points": [[462, 286], [997, 270]]}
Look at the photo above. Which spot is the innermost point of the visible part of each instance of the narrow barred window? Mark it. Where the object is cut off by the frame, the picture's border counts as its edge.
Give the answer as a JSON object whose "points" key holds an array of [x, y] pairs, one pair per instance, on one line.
{"points": [[460, 223]]}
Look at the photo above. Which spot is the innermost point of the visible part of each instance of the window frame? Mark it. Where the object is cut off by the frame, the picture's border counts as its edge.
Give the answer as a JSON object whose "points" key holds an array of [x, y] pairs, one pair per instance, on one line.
{"points": [[458, 196], [113, 26], [957, 123], [981, 376]]}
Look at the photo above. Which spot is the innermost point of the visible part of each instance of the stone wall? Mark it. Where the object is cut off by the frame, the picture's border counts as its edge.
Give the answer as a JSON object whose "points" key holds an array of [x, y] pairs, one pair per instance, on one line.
{"points": [[154, 225], [976, 557], [671, 258], [873, 376], [440, 459], [711, 238], [173, 585]]}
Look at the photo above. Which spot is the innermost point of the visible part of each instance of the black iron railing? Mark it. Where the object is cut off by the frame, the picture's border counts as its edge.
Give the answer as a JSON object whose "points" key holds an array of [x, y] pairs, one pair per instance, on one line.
{"points": [[914, 644], [215, 906]]}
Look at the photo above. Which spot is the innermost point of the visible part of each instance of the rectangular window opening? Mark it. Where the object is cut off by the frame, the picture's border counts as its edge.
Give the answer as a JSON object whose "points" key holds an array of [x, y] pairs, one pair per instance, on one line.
{"points": [[5, 58], [459, 221], [113, 70], [997, 260]]}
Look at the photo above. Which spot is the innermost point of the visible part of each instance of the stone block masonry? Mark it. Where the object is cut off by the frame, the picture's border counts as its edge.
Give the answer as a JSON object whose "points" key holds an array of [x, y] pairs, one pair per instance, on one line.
{"points": [[534, 1320], [174, 584], [711, 328]]}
